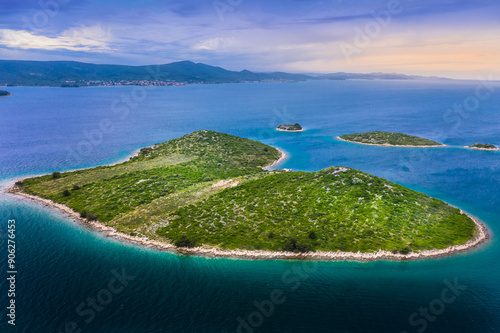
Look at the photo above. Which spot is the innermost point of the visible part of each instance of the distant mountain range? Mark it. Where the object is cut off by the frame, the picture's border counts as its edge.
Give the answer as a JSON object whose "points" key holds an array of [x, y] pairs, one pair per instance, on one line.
{"points": [[371, 76], [71, 73]]}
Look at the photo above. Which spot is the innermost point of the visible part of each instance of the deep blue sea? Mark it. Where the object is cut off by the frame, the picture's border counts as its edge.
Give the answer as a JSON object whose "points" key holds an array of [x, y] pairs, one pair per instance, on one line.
{"points": [[62, 267]]}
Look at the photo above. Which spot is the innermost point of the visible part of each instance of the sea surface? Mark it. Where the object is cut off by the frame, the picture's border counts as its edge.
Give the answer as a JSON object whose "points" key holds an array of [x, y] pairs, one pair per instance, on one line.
{"points": [[62, 266]]}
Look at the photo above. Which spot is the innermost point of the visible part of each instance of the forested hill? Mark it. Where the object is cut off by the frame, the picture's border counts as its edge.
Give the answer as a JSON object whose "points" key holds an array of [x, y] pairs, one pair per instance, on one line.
{"points": [[75, 74], [56, 73]]}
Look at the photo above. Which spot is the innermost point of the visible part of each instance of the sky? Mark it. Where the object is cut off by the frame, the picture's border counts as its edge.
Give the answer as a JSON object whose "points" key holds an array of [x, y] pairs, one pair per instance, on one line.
{"points": [[447, 38]]}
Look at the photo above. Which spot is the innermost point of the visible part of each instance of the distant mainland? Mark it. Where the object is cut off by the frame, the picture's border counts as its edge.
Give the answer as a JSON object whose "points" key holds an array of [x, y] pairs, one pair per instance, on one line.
{"points": [[210, 193], [71, 73], [290, 128], [388, 139]]}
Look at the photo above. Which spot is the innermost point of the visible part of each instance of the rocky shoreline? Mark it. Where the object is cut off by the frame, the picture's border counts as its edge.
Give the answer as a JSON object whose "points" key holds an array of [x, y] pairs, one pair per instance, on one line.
{"points": [[294, 131], [484, 149], [283, 157], [210, 252]]}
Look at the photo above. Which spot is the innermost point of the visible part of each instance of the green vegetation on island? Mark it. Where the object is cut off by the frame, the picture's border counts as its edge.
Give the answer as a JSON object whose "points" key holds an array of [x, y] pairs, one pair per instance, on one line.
{"points": [[209, 188], [290, 127], [485, 146], [389, 139], [168, 168], [332, 209], [4, 93]]}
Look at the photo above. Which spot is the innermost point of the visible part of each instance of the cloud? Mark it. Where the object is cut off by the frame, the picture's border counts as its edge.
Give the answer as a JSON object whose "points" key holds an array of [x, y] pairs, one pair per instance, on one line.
{"points": [[214, 44], [84, 38]]}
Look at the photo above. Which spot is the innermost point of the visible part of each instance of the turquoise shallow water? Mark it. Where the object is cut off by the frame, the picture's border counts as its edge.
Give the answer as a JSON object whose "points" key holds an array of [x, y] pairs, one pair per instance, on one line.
{"points": [[61, 264]]}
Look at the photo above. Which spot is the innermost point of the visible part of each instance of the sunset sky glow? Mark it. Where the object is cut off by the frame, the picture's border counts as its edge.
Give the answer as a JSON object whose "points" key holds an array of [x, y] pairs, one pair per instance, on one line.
{"points": [[450, 38]]}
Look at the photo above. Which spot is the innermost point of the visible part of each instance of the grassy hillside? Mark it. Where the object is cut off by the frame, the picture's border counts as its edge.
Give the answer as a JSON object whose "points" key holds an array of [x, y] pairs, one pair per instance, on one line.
{"points": [[209, 188], [199, 157], [332, 209], [387, 138]]}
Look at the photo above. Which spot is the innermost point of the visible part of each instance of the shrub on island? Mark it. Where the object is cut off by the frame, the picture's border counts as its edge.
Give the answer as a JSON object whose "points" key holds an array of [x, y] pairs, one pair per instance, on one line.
{"points": [[291, 245], [312, 234], [184, 241]]}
